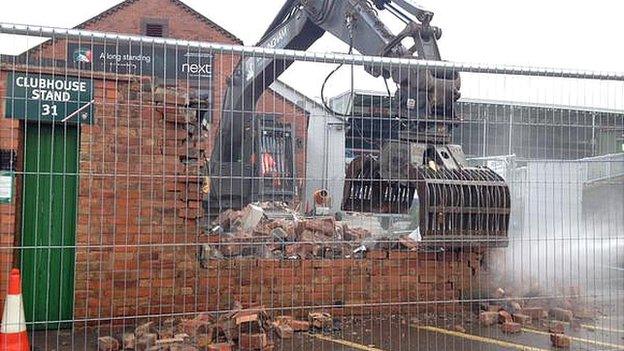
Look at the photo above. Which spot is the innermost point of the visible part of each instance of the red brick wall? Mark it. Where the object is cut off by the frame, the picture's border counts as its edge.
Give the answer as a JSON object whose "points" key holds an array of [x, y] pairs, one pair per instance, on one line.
{"points": [[9, 140]]}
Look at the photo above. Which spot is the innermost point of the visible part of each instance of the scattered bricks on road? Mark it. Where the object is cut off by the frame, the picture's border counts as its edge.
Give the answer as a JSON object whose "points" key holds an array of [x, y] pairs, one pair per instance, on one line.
{"points": [[504, 317], [556, 328], [320, 320], [561, 314], [146, 341], [521, 318], [535, 313], [488, 318], [257, 341], [220, 347], [511, 327], [560, 340], [128, 341], [284, 331], [108, 343], [298, 325]]}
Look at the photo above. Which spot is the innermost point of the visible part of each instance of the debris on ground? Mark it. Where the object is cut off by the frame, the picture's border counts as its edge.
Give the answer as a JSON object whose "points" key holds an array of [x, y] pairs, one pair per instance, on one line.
{"points": [[560, 341], [321, 320], [513, 311], [240, 328]]}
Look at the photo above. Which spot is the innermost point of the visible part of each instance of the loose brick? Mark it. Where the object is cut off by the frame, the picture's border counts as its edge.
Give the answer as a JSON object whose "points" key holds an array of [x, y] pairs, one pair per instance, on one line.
{"points": [[504, 317], [561, 314], [521, 318], [488, 318], [284, 331], [299, 325], [560, 341], [320, 320], [128, 341], [108, 343], [536, 313], [556, 328], [511, 327]]}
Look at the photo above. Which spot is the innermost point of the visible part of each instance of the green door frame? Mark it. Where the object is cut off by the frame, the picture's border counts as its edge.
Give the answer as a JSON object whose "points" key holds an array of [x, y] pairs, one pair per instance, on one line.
{"points": [[49, 223]]}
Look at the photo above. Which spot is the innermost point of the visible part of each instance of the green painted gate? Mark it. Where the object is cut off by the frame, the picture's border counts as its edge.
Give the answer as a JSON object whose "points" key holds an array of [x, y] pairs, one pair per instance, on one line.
{"points": [[49, 223]]}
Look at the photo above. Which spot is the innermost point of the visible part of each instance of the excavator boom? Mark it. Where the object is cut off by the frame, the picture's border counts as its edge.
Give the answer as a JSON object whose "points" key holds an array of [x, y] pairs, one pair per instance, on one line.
{"points": [[456, 201]]}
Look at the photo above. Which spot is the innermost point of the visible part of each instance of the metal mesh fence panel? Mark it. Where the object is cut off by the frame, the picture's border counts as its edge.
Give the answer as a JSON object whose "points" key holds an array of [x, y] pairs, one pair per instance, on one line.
{"points": [[163, 194]]}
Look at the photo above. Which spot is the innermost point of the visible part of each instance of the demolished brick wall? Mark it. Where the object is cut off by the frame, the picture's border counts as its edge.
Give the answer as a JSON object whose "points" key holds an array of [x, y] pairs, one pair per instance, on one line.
{"points": [[384, 280]]}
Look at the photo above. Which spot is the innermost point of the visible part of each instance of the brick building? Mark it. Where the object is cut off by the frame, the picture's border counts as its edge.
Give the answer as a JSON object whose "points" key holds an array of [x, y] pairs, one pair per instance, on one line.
{"points": [[131, 176]]}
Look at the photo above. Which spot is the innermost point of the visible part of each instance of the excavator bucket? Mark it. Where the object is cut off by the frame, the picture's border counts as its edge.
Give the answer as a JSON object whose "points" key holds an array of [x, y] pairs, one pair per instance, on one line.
{"points": [[458, 206]]}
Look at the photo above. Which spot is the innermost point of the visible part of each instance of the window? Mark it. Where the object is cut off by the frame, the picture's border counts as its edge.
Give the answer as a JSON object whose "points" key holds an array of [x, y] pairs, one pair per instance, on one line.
{"points": [[154, 30], [7, 160], [155, 27]]}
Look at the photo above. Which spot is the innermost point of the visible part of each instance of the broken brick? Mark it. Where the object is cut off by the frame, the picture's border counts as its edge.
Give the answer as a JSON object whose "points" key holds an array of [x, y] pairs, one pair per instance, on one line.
{"points": [[298, 325], [320, 320], [560, 340], [488, 318], [511, 327], [535, 312], [504, 317], [556, 328], [284, 331], [108, 343], [128, 341], [521, 318], [561, 314], [143, 329]]}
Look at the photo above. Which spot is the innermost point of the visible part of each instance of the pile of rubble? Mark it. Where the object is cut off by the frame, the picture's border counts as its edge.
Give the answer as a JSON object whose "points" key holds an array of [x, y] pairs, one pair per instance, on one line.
{"points": [[272, 230], [546, 314], [243, 329]]}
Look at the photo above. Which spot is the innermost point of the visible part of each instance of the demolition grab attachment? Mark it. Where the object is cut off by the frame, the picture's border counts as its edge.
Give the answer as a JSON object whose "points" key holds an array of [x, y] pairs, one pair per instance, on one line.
{"points": [[456, 204]]}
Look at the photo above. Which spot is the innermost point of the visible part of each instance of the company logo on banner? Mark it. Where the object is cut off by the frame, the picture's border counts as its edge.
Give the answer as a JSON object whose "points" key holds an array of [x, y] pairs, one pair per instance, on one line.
{"points": [[83, 55], [167, 62]]}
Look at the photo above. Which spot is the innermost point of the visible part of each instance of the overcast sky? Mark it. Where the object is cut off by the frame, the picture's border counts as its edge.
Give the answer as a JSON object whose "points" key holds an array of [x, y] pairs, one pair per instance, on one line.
{"points": [[554, 33]]}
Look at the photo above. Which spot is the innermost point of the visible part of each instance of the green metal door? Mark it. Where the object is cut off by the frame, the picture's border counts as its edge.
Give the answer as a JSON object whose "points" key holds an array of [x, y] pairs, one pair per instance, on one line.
{"points": [[49, 223]]}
